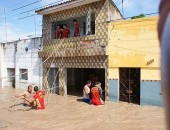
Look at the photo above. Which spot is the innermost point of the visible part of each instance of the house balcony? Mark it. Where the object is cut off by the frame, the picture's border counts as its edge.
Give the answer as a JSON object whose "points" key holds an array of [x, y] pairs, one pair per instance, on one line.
{"points": [[74, 47]]}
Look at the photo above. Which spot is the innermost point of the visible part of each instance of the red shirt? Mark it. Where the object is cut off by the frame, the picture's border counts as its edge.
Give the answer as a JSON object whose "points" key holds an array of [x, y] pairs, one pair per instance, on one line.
{"points": [[39, 98], [66, 33], [77, 30], [95, 96], [58, 33]]}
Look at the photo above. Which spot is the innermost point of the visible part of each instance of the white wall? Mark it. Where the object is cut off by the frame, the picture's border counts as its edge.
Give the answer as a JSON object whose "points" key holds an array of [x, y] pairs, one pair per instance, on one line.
{"points": [[1, 65], [114, 14], [16, 56]]}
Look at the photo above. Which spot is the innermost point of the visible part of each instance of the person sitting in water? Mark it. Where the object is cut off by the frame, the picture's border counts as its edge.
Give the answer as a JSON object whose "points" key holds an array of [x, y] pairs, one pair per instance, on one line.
{"points": [[38, 98], [27, 94], [86, 92], [96, 100]]}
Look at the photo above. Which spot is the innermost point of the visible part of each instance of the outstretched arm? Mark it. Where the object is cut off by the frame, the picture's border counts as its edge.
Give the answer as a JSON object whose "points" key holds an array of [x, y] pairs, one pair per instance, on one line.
{"points": [[22, 95]]}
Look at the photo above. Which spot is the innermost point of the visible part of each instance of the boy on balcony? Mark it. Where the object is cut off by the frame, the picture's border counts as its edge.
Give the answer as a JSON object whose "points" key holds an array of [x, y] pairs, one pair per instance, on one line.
{"points": [[77, 28], [58, 32], [65, 32]]}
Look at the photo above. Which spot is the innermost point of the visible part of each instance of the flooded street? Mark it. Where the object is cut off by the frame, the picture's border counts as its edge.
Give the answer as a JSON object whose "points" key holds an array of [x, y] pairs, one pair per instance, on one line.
{"points": [[69, 113]]}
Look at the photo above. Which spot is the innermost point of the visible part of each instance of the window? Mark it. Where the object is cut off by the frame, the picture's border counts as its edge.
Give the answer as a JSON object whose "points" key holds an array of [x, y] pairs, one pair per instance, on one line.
{"points": [[70, 25], [23, 74]]}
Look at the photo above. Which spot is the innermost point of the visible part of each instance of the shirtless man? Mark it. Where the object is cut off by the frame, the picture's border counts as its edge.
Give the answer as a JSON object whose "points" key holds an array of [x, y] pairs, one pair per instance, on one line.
{"points": [[27, 94]]}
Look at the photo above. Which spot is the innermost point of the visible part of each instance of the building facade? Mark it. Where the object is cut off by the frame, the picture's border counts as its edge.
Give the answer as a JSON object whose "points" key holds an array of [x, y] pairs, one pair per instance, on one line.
{"points": [[76, 59], [123, 55], [134, 62], [20, 63]]}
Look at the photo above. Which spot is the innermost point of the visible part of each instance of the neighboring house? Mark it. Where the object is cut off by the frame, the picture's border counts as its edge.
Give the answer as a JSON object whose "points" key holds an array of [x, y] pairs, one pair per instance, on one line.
{"points": [[134, 61], [21, 65], [122, 55]]}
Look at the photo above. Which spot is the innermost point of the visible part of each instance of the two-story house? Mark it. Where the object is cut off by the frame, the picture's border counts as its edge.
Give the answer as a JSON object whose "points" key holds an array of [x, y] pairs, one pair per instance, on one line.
{"points": [[70, 62]]}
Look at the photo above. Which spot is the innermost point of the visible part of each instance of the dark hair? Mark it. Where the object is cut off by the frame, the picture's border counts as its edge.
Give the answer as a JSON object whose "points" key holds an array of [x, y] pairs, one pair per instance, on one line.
{"points": [[36, 88], [65, 25], [75, 20], [29, 86], [96, 83], [88, 82]]}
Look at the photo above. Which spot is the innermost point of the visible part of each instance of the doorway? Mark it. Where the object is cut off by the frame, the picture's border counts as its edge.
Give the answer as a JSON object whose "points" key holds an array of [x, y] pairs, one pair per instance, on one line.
{"points": [[53, 80], [11, 77], [76, 79], [129, 85]]}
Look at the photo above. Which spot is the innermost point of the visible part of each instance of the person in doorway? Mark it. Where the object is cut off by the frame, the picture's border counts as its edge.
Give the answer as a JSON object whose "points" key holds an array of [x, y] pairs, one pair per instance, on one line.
{"points": [[100, 91], [38, 98], [65, 32], [27, 94], [96, 100], [86, 92], [58, 32], [77, 28]]}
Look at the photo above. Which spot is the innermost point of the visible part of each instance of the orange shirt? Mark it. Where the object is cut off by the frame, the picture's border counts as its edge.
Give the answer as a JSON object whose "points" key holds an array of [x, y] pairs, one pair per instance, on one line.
{"points": [[95, 96], [39, 98], [77, 30]]}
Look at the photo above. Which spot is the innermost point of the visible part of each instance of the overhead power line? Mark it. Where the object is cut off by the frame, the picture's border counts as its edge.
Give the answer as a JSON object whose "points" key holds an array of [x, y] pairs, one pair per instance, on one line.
{"points": [[26, 5]]}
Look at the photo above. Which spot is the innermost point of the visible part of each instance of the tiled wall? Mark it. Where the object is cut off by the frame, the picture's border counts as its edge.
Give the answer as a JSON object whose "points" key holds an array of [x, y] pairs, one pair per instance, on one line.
{"points": [[68, 52]]}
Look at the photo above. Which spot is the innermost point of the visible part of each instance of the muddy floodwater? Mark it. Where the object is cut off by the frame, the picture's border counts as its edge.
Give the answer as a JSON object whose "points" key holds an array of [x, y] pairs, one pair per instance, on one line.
{"points": [[69, 113]]}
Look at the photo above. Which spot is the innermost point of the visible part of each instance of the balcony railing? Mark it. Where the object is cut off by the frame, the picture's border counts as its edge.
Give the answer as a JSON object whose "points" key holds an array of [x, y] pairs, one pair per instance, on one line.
{"points": [[72, 47]]}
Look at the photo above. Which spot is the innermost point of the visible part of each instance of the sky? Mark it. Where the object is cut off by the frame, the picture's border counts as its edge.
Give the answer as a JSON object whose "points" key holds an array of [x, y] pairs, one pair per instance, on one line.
{"points": [[24, 28]]}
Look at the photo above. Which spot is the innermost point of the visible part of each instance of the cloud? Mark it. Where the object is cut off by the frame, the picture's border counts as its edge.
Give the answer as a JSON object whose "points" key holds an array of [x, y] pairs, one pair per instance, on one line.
{"points": [[13, 33]]}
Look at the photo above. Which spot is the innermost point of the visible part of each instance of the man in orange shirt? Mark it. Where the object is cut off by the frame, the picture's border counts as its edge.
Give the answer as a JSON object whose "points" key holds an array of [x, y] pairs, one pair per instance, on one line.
{"points": [[65, 32], [38, 98], [77, 28]]}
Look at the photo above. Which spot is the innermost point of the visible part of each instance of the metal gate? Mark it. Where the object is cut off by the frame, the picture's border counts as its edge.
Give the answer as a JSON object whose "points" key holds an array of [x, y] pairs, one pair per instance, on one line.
{"points": [[129, 81], [53, 80], [11, 77]]}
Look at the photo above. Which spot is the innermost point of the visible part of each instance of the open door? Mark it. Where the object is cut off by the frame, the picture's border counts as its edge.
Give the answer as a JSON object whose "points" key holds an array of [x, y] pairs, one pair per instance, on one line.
{"points": [[129, 82]]}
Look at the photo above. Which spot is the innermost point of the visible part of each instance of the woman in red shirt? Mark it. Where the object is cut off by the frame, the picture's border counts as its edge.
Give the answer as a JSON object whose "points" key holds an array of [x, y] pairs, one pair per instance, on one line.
{"points": [[96, 100]]}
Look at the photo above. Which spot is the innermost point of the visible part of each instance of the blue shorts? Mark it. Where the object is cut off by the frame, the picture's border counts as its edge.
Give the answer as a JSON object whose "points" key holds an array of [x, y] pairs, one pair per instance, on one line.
{"points": [[86, 100]]}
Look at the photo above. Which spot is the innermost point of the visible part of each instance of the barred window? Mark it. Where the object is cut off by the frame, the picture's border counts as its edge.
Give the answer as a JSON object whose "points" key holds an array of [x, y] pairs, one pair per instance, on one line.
{"points": [[23, 74]]}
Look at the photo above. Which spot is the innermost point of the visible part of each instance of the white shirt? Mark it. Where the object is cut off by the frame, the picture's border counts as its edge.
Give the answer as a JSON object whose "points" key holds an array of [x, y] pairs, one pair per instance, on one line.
{"points": [[86, 96]]}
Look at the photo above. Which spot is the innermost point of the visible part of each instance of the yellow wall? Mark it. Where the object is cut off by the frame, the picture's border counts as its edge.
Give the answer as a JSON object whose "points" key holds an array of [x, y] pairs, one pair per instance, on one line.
{"points": [[133, 43]]}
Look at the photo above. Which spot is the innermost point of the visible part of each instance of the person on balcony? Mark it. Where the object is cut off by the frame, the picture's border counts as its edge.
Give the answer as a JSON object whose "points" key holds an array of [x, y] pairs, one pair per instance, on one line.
{"points": [[77, 28], [58, 32], [65, 32]]}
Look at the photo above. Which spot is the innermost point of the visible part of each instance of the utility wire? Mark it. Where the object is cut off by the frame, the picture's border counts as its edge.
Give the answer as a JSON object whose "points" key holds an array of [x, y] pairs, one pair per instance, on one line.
{"points": [[26, 5]]}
